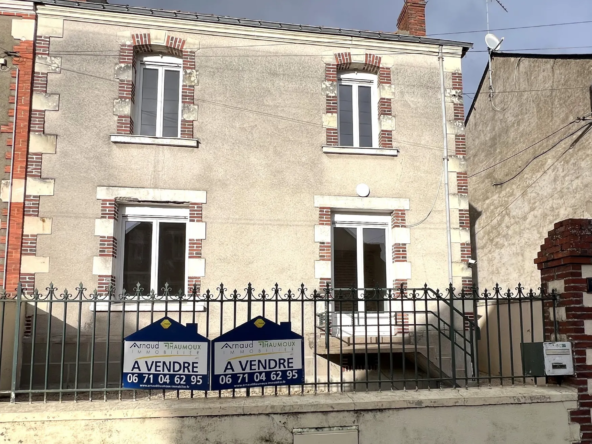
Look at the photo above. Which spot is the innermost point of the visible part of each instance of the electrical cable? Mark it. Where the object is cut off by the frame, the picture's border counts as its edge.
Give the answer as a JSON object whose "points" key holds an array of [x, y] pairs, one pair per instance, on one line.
{"points": [[525, 149], [532, 184], [110, 53], [514, 28], [586, 127], [417, 224]]}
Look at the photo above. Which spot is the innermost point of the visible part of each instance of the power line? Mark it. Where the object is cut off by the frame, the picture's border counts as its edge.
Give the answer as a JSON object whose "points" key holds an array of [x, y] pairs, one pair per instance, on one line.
{"points": [[529, 90], [513, 28], [424, 87], [275, 116], [528, 187], [109, 53], [417, 224], [586, 129], [525, 149]]}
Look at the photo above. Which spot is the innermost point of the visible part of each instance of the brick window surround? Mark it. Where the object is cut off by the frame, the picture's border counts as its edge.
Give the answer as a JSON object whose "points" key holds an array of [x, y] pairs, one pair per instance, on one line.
{"points": [[399, 246], [371, 63], [143, 43], [105, 263]]}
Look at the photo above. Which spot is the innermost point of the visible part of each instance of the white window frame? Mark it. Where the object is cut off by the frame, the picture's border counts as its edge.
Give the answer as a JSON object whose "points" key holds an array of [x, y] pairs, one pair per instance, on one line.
{"points": [[356, 79], [361, 221], [150, 214], [161, 63]]}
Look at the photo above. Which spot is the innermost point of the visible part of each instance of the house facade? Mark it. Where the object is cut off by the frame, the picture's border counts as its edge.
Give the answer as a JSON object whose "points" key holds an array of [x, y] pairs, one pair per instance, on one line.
{"points": [[181, 149], [527, 163]]}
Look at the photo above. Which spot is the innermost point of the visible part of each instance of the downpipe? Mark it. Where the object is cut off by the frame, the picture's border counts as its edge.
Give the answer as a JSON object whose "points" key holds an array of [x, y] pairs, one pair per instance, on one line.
{"points": [[445, 159]]}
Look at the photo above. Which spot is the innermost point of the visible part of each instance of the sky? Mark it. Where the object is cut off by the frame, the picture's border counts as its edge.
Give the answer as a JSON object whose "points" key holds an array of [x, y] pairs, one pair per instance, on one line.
{"points": [[443, 16]]}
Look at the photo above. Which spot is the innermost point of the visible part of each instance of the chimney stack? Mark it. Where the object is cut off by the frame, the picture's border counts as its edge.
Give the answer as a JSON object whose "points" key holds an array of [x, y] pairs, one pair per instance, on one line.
{"points": [[412, 18]]}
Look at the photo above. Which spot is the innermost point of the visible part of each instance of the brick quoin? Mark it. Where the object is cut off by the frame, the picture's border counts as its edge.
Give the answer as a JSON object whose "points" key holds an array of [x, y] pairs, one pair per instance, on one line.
{"points": [[399, 220], [21, 116], [324, 247], [566, 256], [195, 247]]}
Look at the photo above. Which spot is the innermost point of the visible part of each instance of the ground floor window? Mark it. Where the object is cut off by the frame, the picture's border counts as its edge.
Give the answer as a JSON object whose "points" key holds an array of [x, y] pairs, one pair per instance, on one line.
{"points": [[154, 249], [361, 260]]}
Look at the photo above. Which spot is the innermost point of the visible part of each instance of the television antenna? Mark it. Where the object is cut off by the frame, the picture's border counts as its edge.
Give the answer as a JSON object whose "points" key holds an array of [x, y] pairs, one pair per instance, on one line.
{"points": [[493, 44], [487, 2]]}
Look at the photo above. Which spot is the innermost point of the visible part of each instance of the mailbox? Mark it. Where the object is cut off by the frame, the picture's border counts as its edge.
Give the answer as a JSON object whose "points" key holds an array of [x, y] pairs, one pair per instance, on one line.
{"points": [[558, 359], [547, 359]]}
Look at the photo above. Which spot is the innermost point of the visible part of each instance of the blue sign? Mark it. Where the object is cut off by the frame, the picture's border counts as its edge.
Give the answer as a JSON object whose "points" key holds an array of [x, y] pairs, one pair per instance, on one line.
{"points": [[258, 353], [166, 355]]}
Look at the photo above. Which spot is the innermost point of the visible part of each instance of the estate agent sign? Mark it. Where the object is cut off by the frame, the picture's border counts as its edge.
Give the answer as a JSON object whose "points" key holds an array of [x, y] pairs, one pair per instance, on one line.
{"points": [[166, 355], [257, 353]]}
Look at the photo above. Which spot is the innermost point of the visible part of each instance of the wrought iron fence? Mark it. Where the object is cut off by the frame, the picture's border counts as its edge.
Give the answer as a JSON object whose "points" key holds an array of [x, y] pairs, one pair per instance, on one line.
{"points": [[69, 346]]}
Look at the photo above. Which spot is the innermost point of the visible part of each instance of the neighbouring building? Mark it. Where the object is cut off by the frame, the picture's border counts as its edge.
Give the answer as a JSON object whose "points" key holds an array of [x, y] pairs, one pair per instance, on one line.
{"points": [[528, 161]]}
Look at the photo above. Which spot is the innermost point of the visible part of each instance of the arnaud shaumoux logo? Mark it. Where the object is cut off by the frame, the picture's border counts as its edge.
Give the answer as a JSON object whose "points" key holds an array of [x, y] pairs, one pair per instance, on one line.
{"points": [[238, 346]]}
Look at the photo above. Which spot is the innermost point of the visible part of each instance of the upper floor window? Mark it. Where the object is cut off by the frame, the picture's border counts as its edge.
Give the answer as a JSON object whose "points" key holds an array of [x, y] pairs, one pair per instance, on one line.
{"points": [[357, 110], [158, 96]]}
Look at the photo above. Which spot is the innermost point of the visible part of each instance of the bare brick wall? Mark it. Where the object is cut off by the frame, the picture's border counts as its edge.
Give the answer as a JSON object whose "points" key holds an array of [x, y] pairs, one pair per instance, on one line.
{"points": [[20, 115], [412, 18], [565, 260]]}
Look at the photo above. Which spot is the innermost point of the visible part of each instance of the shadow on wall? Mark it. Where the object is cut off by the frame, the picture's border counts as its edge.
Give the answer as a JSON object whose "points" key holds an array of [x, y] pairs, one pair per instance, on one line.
{"points": [[504, 326], [72, 357]]}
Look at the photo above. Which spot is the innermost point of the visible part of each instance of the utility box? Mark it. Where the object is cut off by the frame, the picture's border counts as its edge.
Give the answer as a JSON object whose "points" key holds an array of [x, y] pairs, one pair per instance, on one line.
{"points": [[547, 359]]}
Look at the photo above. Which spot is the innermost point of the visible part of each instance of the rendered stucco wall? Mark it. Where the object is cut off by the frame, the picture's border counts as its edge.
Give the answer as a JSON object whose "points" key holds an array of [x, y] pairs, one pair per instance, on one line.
{"points": [[511, 415], [260, 172], [511, 221]]}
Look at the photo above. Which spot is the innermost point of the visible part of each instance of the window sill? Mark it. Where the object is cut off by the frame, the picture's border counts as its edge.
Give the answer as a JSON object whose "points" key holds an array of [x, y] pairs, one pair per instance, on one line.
{"points": [[390, 152], [148, 140], [171, 307]]}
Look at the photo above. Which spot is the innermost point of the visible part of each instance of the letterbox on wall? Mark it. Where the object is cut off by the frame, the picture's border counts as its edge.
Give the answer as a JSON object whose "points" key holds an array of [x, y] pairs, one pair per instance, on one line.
{"points": [[547, 359]]}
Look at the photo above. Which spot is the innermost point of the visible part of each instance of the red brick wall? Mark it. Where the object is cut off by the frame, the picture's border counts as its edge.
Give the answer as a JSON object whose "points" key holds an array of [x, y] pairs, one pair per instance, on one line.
{"points": [[21, 116], [412, 17], [565, 251]]}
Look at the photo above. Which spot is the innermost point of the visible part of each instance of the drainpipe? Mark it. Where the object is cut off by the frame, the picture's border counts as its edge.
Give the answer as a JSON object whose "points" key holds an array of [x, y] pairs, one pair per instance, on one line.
{"points": [[11, 172], [446, 185]]}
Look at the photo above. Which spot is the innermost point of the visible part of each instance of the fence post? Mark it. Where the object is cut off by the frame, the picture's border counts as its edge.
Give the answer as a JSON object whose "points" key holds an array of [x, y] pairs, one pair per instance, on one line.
{"points": [[15, 349], [565, 262], [452, 336]]}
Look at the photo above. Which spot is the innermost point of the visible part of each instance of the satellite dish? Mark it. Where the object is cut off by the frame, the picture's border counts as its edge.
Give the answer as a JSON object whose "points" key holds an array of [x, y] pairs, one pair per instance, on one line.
{"points": [[492, 42]]}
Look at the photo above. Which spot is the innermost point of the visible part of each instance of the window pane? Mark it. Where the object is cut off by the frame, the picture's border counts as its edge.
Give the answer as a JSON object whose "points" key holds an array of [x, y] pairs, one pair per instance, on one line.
{"points": [[149, 102], [346, 117], [374, 267], [171, 256], [137, 259], [345, 267], [170, 124], [365, 109]]}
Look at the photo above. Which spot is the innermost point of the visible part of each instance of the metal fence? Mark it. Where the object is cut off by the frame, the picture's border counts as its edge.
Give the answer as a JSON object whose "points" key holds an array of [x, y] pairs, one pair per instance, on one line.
{"points": [[69, 346]]}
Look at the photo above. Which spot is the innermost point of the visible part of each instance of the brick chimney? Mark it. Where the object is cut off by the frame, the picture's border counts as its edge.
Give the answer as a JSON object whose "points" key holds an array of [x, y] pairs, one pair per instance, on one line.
{"points": [[412, 18]]}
